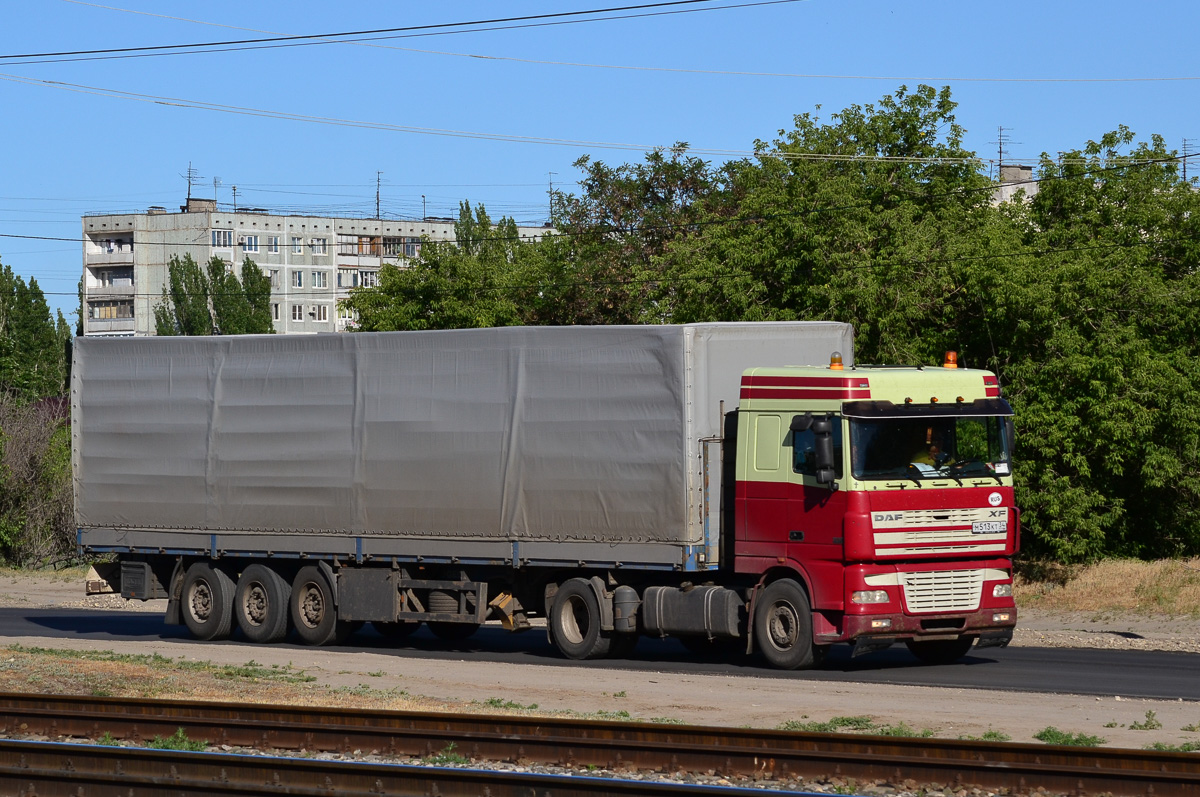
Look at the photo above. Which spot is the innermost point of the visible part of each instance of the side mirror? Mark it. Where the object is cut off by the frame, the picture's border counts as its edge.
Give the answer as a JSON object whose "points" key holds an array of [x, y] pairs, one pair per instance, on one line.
{"points": [[802, 423], [823, 444]]}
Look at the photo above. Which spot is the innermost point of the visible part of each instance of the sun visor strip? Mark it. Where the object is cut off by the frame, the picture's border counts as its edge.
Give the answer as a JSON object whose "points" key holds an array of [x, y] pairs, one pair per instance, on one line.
{"points": [[877, 410]]}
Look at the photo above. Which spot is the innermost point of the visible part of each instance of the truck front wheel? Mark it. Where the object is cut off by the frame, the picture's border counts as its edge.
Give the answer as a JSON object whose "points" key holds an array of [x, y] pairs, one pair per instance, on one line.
{"points": [[575, 622], [207, 602], [783, 626], [261, 604], [313, 612]]}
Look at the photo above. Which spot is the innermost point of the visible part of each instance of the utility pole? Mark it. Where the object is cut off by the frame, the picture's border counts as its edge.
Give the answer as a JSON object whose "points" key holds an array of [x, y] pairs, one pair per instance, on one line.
{"points": [[235, 199]]}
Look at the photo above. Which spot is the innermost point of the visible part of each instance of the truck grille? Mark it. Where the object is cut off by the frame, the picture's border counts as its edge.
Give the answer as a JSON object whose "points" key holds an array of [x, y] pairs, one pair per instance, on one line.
{"points": [[943, 590]]}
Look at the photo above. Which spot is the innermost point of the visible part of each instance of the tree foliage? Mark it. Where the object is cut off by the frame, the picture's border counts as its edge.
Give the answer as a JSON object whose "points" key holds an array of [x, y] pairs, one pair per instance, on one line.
{"points": [[212, 300], [1083, 299]]}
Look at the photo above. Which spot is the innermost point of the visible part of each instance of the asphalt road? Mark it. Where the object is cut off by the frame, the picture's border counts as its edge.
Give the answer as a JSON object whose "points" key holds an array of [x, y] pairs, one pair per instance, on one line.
{"points": [[1126, 673]]}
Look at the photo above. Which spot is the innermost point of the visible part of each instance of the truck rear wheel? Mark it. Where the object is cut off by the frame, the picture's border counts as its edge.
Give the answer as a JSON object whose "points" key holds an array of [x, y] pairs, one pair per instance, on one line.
{"points": [[783, 626], [940, 651], [261, 604], [575, 622], [312, 610], [207, 603]]}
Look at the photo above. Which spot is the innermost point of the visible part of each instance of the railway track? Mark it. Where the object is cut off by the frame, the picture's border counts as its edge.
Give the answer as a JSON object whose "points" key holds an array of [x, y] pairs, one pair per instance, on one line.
{"points": [[733, 752]]}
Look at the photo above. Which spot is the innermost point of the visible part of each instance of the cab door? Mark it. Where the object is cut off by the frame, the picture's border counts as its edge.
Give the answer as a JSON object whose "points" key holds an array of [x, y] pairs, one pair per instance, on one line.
{"points": [[815, 514]]}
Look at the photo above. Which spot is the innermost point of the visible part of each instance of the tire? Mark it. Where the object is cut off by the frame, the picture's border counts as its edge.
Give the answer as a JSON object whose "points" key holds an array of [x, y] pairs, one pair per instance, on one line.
{"points": [[783, 626], [207, 602], [396, 631], [312, 610], [260, 604], [575, 622], [940, 651], [446, 602]]}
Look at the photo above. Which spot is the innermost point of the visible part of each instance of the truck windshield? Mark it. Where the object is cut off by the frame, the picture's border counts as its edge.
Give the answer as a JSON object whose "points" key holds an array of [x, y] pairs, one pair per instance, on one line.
{"points": [[929, 448]]}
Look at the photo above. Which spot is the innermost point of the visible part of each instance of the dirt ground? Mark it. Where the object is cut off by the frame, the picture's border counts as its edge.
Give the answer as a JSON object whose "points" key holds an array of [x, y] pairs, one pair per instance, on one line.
{"points": [[702, 699]]}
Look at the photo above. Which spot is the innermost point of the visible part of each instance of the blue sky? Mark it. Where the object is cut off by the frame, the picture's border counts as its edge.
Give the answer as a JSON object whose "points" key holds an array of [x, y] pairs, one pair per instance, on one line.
{"points": [[1053, 74]]}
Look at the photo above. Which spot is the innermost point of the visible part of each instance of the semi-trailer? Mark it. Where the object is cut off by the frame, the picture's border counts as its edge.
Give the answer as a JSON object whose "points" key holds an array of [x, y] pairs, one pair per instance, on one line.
{"points": [[740, 486]]}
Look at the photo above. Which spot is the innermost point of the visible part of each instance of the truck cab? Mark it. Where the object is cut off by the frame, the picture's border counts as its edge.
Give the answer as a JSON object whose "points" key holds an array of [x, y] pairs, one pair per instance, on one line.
{"points": [[886, 493]]}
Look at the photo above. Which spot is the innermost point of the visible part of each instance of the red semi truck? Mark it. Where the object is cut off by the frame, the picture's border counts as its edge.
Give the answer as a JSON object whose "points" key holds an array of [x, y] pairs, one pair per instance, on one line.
{"points": [[737, 486]]}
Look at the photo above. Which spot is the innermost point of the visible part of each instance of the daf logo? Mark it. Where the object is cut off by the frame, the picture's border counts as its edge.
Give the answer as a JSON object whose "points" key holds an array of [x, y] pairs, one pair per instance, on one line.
{"points": [[886, 517], [1002, 514], [994, 499]]}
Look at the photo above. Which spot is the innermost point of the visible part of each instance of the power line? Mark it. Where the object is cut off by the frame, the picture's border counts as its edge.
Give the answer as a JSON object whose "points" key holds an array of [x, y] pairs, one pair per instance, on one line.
{"points": [[411, 31], [679, 70]]}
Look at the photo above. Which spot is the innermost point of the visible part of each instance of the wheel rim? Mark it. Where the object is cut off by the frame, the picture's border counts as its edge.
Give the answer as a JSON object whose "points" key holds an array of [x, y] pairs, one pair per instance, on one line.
{"points": [[200, 600], [570, 626], [312, 605], [783, 626], [254, 604]]}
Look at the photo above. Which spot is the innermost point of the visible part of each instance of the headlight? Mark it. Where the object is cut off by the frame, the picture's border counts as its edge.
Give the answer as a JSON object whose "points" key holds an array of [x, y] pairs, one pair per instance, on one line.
{"points": [[1002, 591], [870, 596]]}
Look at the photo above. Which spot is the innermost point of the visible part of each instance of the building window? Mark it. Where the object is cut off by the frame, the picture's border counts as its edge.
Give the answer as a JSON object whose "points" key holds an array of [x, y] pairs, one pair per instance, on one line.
{"points": [[297, 245], [273, 244], [273, 273], [275, 311], [318, 246], [347, 278], [298, 312], [368, 279], [297, 279], [412, 247], [107, 311], [115, 277], [321, 312], [320, 279], [222, 239], [250, 243]]}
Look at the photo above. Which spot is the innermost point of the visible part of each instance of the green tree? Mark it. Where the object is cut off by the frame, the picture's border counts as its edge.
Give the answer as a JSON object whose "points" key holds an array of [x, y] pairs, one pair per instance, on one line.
{"points": [[465, 283], [212, 300]]}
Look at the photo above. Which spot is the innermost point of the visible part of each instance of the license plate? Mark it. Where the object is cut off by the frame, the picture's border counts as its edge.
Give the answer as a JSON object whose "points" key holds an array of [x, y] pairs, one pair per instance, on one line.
{"points": [[988, 526]]}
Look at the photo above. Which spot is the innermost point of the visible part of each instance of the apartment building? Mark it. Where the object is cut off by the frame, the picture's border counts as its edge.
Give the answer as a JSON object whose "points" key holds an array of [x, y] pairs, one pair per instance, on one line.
{"points": [[312, 261]]}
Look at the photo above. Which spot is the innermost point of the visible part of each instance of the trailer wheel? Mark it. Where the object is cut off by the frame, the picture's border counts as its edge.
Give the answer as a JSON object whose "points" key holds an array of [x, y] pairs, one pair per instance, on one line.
{"points": [[207, 602], [261, 604], [940, 651], [312, 610], [575, 622], [783, 626]]}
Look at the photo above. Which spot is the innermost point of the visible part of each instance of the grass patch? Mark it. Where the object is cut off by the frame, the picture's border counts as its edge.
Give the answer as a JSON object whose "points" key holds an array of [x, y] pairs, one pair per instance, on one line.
{"points": [[447, 757], [1151, 723], [988, 736], [1052, 735], [507, 705], [177, 741], [856, 724], [1186, 747], [1163, 587]]}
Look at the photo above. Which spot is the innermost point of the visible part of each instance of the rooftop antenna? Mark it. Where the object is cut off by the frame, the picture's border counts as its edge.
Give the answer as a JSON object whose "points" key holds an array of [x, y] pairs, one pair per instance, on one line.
{"points": [[1187, 142], [550, 195], [235, 199], [377, 176], [1003, 140], [216, 184], [191, 176]]}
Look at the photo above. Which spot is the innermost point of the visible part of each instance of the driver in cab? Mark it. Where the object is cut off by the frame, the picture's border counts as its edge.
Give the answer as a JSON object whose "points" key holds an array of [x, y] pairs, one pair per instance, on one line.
{"points": [[929, 455]]}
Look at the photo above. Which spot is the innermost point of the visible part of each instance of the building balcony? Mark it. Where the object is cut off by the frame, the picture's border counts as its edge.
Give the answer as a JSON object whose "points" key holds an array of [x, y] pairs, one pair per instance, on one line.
{"points": [[114, 258], [110, 326], [109, 291]]}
